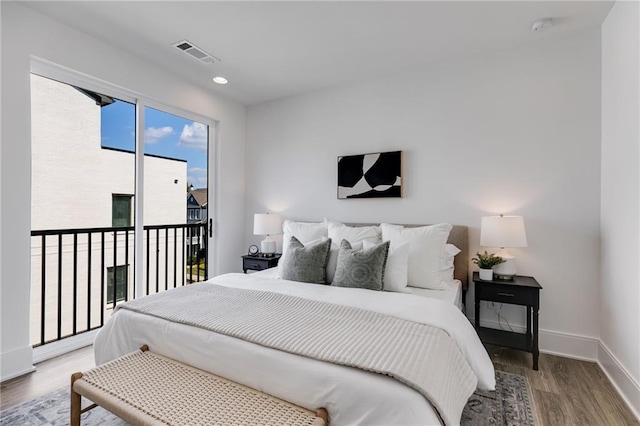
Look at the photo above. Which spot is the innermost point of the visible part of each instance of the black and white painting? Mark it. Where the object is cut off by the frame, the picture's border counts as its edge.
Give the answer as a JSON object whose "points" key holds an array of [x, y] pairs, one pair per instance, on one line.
{"points": [[370, 175]]}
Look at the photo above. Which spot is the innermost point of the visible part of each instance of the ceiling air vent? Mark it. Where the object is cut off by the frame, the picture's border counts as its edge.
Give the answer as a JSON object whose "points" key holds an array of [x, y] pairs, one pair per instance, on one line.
{"points": [[196, 52]]}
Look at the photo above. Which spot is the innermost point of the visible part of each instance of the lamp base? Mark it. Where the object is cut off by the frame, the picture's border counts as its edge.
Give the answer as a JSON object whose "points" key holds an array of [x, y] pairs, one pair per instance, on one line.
{"points": [[506, 270], [268, 246]]}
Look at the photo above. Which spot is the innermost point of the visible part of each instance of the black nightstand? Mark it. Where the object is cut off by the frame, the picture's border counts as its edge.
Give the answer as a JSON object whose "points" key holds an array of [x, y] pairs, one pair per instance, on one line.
{"points": [[258, 263], [524, 291]]}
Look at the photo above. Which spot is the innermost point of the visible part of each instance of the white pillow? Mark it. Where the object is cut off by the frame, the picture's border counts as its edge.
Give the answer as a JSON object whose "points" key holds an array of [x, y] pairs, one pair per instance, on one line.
{"points": [[447, 269], [426, 251], [397, 268], [305, 232], [332, 264], [354, 234]]}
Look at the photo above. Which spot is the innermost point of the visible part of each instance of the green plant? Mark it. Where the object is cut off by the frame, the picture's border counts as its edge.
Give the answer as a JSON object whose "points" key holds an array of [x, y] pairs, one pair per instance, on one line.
{"points": [[486, 260]]}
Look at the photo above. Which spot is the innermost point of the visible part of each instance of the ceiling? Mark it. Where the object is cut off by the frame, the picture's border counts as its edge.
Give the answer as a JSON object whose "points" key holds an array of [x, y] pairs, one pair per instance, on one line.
{"points": [[271, 50]]}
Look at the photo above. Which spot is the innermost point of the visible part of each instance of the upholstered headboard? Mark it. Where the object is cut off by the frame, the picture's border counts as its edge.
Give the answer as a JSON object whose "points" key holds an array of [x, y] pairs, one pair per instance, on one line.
{"points": [[459, 237]]}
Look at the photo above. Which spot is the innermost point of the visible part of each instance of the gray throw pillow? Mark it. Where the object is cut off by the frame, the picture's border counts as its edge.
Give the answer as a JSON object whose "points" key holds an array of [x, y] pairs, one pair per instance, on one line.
{"points": [[361, 268], [306, 263]]}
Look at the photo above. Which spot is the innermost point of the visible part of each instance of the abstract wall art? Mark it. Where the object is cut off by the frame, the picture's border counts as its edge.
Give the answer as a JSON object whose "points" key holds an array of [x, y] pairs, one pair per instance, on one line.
{"points": [[377, 175]]}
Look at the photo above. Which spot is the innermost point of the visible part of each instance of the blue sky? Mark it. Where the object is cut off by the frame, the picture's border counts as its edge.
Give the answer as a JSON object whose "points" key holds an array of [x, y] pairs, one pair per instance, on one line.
{"points": [[165, 134]]}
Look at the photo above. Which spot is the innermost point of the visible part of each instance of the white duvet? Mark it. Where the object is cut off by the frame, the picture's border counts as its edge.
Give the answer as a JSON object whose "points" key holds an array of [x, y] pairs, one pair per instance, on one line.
{"points": [[350, 395]]}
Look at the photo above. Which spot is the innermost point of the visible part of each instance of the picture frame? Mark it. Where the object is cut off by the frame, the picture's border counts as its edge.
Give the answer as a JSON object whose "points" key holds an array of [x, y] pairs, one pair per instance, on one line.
{"points": [[372, 175]]}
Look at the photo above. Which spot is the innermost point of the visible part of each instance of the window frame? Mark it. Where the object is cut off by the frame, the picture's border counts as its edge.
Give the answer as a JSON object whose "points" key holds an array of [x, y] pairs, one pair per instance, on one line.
{"points": [[112, 280], [129, 198]]}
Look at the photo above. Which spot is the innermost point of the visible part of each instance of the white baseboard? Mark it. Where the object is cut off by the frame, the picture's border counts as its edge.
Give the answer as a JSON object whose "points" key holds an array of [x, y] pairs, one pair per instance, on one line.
{"points": [[16, 363], [567, 345], [54, 349], [552, 342], [625, 384]]}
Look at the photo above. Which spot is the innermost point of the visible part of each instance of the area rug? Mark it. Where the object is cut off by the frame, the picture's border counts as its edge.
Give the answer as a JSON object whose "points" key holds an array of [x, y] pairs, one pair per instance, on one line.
{"points": [[510, 404]]}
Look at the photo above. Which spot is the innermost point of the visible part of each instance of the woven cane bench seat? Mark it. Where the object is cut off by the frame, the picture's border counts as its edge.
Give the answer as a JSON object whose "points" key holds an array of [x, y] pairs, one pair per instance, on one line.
{"points": [[145, 388]]}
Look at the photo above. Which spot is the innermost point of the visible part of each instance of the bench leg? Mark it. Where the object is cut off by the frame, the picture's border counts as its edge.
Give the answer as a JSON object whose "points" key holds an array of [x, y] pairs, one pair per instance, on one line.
{"points": [[324, 415], [76, 401]]}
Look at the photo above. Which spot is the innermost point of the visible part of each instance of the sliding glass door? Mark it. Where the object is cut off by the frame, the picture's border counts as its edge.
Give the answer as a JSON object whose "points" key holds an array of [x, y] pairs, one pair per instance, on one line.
{"points": [[120, 203], [176, 192]]}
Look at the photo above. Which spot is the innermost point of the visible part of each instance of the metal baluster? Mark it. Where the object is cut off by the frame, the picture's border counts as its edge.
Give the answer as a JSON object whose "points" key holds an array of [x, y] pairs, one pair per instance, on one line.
{"points": [[75, 283], [43, 295], [115, 267], [126, 265], [184, 232], [148, 260], [157, 260], [90, 249], [102, 304], [198, 253], [175, 256], [59, 286]]}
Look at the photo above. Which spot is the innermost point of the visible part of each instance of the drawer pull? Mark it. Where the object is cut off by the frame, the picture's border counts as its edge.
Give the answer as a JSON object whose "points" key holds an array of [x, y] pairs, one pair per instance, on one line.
{"points": [[506, 294]]}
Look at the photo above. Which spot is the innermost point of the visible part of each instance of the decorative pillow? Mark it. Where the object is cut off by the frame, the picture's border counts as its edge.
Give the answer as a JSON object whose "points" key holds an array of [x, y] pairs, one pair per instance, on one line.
{"points": [[447, 269], [397, 268], [333, 257], [354, 234], [305, 263], [361, 268], [426, 251], [305, 232]]}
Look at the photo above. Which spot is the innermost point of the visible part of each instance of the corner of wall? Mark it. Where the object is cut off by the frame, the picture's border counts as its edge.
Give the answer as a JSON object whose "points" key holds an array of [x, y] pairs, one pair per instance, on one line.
{"points": [[16, 363], [623, 382]]}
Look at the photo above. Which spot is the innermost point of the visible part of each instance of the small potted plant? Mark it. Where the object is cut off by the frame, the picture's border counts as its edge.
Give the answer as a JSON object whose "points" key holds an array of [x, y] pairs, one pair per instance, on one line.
{"points": [[486, 262]]}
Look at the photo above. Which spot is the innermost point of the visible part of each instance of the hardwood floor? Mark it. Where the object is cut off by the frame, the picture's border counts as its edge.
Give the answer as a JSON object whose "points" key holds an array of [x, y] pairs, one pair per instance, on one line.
{"points": [[49, 376], [565, 391]]}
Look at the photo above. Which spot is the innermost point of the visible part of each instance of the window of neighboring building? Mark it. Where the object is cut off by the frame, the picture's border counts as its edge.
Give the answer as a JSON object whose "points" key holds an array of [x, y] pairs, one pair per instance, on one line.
{"points": [[121, 210], [197, 214], [119, 281]]}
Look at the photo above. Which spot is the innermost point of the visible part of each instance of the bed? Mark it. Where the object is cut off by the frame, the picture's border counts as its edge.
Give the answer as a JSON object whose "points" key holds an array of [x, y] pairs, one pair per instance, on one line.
{"points": [[351, 395]]}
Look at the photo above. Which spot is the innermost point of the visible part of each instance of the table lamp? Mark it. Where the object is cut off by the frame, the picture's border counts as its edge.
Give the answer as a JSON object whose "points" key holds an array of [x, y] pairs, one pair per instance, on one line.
{"points": [[503, 231], [267, 224]]}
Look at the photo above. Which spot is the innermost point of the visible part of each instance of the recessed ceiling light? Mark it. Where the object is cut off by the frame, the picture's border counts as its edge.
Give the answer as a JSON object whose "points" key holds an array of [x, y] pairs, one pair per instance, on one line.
{"points": [[220, 80]]}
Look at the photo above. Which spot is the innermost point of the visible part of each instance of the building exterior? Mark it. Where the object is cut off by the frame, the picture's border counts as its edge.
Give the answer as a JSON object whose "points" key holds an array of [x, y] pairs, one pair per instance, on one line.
{"points": [[197, 205]]}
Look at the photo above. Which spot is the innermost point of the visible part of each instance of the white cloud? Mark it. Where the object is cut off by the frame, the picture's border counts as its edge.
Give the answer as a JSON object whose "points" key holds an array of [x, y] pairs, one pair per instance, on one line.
{"points": [[194, 136], [197, 176], [154, 134]]}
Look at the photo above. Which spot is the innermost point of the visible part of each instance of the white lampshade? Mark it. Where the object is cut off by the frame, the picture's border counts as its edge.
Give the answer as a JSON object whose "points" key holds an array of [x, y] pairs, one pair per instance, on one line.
{"points": [[503, 231], [266, 224]]}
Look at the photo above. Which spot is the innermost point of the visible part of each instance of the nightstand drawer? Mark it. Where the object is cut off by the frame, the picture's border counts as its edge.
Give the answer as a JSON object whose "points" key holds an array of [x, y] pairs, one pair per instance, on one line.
{"points": [[255, 265], [259, 263], [506, 294]]}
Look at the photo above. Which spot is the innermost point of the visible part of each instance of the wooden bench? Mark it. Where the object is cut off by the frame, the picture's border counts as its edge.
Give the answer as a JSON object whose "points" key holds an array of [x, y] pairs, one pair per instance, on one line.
{"points": [[145, 388]]}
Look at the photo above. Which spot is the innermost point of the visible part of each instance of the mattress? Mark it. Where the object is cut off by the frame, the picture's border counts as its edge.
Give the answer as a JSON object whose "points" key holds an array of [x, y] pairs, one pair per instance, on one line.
{"points": [[452, 294]]}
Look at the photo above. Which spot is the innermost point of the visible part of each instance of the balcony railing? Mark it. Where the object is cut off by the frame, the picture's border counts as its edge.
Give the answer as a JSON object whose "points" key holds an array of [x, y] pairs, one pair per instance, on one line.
{"points": [[78, 276]]}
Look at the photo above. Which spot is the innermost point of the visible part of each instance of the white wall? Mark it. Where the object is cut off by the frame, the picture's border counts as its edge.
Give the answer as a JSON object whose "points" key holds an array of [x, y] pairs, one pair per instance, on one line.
{"points": [[516, 132], [619, 353], [26, 33]]}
